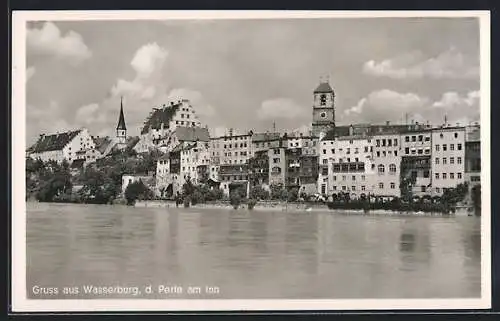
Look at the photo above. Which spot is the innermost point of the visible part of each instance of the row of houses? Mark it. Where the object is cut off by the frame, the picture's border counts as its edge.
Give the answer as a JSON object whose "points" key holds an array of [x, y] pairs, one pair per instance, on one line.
{"points": [[356, 159]]}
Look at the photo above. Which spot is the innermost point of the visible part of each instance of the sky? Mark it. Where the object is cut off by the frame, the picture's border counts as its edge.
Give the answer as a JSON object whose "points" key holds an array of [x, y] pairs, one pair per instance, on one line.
{"points": [[247, 74]]}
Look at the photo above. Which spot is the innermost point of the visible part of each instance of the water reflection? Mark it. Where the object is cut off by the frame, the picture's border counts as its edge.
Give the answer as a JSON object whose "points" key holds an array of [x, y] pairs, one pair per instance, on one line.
{"points": [[255, 254]]}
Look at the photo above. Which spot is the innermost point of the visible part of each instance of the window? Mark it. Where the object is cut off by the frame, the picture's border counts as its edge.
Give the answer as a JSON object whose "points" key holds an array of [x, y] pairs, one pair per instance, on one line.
{"points": [[353, 188], [459, 146], [438, 190], [381, 185], [348, 151], [389, 142], [334, 188], [456, 135], [413, 151], [420, 138], [459, 160], [436, 161], [383, 142], [452, 160], [363, 188], [325, 161], [437, 148], [459, 175], [452, 175], [381, 168], [363, 177], [333, 150], [276, 160], [407, 138], [356, 150], [395, 153], [366, 149], [436, 175], [413, 138], [407, 150], [444, 147], [395, 142], [377, 142], [378, 153], [427, 138], [348, 159], [393, 185], [276, 151], [353, 177], [444, 161], [384, 153], [420, 151], [324, 151], [444, 175], [392, 168], [344, 188], [426, 174], [343, 177], [334, 178], [422, 188]]}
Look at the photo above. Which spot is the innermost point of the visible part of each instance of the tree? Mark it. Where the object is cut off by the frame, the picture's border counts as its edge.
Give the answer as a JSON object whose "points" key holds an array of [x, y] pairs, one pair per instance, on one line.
{"points": [[55, 180], [188, 187], [293, 194], [259, 193], [137, 191], [476, 197], [276, 191]]}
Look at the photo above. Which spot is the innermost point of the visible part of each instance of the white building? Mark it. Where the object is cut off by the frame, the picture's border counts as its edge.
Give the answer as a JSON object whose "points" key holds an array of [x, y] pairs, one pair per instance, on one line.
{"points": [[231, 148], [387, 164], [127, 179], [346, 165], [163, 121], [70, 146], [448, 158]]}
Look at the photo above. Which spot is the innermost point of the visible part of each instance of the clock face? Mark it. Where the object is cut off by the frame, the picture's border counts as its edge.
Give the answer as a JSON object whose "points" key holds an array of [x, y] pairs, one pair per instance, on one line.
{"points": [[323, 115]]}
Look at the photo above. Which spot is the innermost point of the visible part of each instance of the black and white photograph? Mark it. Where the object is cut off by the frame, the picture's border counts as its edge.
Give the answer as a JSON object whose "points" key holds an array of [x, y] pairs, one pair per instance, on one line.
{"points": [[250, 160]]}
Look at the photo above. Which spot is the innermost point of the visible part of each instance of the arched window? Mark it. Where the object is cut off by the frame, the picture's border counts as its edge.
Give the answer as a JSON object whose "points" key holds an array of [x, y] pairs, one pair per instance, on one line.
{"points": [[392, 168], [381, 168]]}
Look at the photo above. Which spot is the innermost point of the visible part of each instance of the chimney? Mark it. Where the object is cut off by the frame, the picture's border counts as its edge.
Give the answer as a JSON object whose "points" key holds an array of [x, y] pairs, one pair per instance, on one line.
{"points": [[351, 130], [230, 132], [387, 123]]}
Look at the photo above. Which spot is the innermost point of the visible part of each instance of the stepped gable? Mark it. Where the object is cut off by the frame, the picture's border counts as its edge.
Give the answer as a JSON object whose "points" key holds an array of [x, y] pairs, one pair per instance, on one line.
{"points": [[192, 134], [54, 141], [160, 116]]}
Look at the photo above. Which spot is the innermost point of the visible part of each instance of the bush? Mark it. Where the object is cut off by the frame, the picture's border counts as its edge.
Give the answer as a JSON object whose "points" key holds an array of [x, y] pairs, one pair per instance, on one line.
{"points": [[259, 193], [251, 203], [235, 199], [187, 201], [135, 191]]}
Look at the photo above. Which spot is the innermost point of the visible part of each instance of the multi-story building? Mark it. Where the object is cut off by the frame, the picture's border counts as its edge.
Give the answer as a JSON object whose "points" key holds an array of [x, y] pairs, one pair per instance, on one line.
{"points": [[69, 146], [323, 113], [234, 176], [183, 135], [448, 163], [265, 141], [416, 145], [387, 164], [231, 148], [345, 165], [259, 169], [473, 156], [162, 121], [278, 168]]}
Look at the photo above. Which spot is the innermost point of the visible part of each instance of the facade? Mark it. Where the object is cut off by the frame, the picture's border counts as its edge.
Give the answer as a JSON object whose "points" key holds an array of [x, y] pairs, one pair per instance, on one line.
{"points": [[278, 168], [448, 163], [264, 141], [163, 121], [69, 146], [346, 165], [323, 113], [231, 149], [258, 168], [387, 164], [127, 179], [234, 176], [473, 156], [416, 146]]}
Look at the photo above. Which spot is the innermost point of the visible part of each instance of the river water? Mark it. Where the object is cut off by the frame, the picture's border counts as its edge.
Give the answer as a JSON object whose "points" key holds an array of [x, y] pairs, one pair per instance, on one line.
{"points": [[225, 253]]}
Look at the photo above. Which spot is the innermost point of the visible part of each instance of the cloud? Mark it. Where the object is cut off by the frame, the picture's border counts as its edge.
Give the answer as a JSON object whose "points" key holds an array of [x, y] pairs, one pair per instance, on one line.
{"points": [[49, 40], [148, 63], [30, 71], [44, 119], [196, 99], [283, 108], [90, 114], [387, 105], [450, 64], [386, 102], [454, 99]]}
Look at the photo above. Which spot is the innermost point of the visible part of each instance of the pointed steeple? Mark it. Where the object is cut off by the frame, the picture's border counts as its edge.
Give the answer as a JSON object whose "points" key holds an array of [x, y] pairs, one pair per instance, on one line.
{"points": [[121, 119]]}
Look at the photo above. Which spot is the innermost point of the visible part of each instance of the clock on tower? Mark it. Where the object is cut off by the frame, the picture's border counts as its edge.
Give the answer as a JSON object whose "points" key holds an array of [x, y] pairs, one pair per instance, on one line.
{"points": [[323, 109]]}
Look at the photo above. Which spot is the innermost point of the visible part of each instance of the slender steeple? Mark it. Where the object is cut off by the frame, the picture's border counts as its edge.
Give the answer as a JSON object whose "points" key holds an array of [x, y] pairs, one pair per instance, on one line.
{"points": [[121, 119]]}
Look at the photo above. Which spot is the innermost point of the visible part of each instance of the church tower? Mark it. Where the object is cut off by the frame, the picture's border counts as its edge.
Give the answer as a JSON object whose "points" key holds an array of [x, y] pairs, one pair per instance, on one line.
{"points": [[121, 129], [323, 109]]}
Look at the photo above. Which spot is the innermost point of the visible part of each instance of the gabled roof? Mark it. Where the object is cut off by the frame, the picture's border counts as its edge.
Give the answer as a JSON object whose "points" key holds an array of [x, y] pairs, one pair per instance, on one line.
{"points": [[132, 141], [192, 134], [121, 119], [54, 141], [323, 87], [102, 143], [160, 116]]}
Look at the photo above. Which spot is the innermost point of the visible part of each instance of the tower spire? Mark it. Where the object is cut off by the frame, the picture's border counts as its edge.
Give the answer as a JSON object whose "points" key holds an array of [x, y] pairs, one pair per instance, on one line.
{"points": [[121, 118]]}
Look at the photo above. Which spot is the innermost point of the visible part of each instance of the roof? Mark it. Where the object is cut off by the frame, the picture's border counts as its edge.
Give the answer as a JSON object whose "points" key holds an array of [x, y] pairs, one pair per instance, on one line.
{"points": [[121, 119], [102, 143], [160, 116], [192, 134], [323, 87], [54, 141], [132, 141], [261, 137]]}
